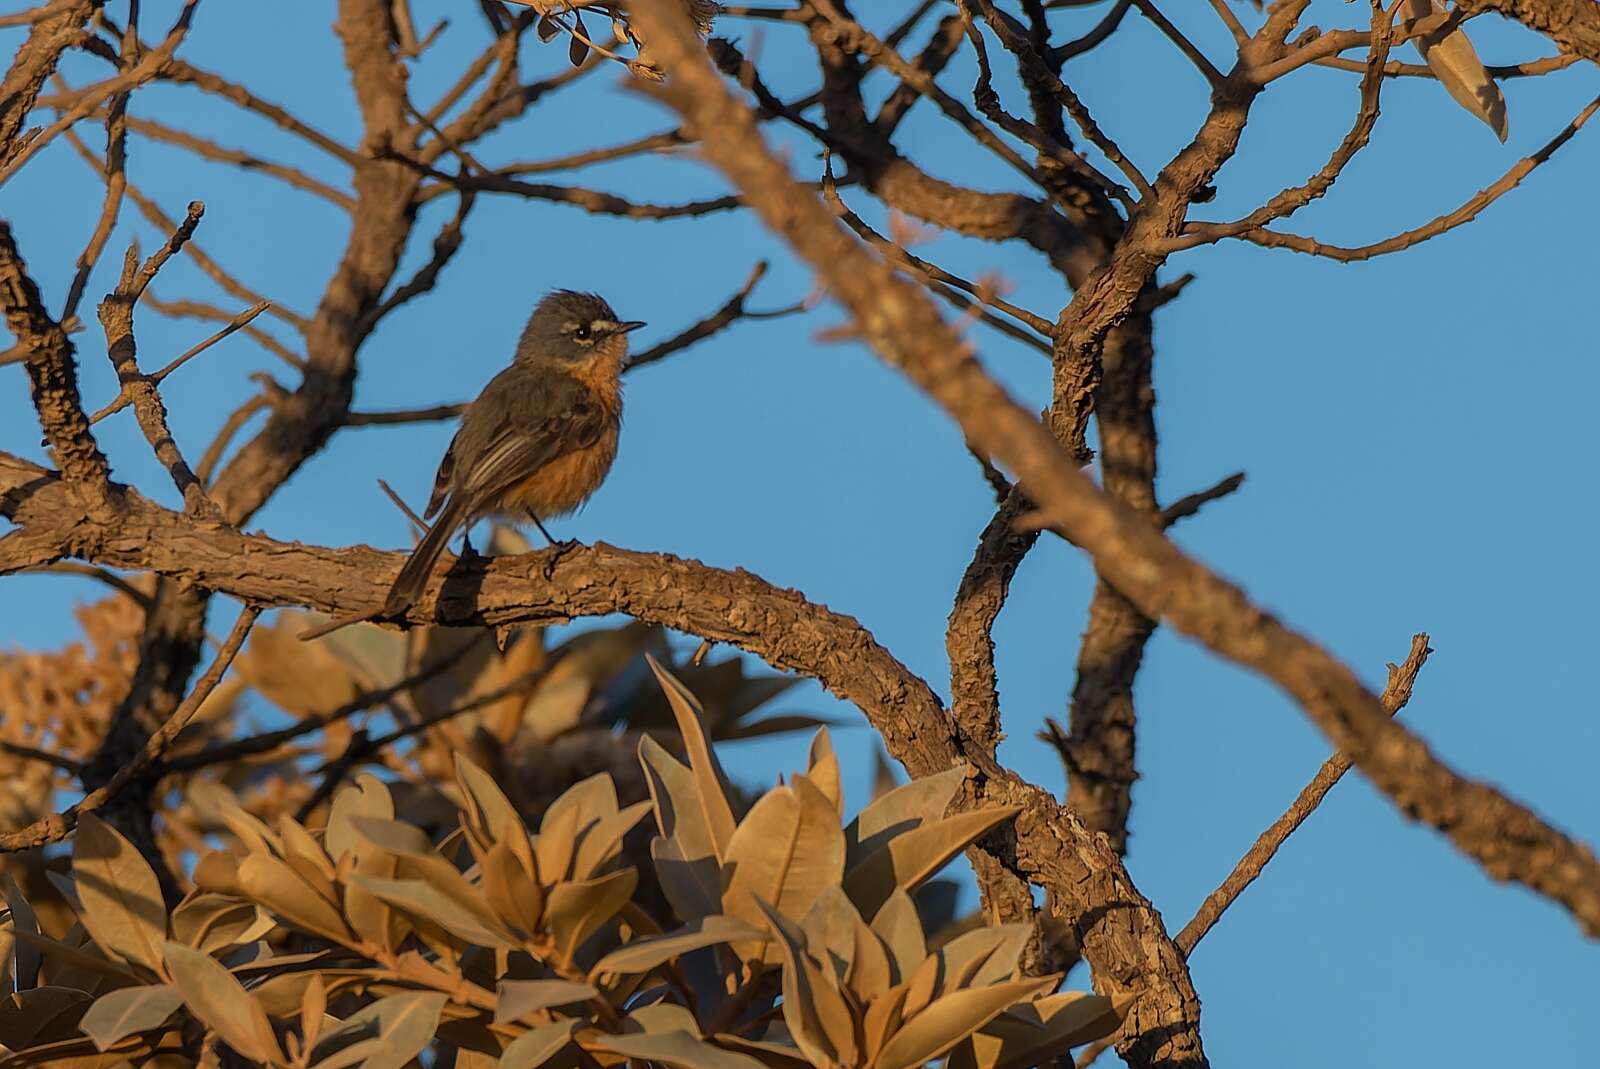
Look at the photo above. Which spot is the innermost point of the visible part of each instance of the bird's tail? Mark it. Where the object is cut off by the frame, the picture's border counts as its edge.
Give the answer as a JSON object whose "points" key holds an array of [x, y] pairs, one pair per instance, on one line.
{"points": [[413, 578]]}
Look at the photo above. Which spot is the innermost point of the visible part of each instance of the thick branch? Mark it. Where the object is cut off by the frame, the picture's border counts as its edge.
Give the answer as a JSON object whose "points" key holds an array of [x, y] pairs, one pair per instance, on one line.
{"points": [[1508, 840]]}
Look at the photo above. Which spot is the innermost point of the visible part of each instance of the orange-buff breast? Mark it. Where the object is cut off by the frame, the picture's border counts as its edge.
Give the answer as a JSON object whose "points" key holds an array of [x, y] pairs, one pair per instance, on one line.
{"points": [[561, 485]]}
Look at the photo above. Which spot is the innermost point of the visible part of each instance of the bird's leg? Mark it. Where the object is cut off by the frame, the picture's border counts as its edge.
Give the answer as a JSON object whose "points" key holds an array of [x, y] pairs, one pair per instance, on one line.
{"points": [[467, 552], [559, 547]]}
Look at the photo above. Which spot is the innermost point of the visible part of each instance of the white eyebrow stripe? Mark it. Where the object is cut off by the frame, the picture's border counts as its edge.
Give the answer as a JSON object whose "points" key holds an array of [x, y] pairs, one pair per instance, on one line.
{"points": [[600, 326]]}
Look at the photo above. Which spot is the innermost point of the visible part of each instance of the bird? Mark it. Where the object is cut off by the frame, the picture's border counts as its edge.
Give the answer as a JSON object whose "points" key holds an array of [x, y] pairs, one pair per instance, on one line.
{"points": [[538, 441]]}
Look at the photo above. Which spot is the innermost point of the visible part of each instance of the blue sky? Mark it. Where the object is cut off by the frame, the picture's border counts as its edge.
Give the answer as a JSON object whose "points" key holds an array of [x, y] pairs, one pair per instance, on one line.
{"points": [[1416, 433]]}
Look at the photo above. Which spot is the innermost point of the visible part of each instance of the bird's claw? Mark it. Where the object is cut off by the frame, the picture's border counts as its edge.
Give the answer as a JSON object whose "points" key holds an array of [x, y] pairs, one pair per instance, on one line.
{"points": [[555, 553]]}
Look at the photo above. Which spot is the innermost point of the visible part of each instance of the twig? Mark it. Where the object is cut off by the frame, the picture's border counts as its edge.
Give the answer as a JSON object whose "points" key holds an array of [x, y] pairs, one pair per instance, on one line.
{"points": [[140, 73], [202, 310], [248, 161], [29, 753], [445, 245], [400, 503], [360, 748], [590, 200], [271, 740], [404, 415], [1098, 35], [124, 399], [184, 73], [116, 180], [269, 396], [730, 313], [1203, 233], [212, 269], [1018, 46], [139, 389], [92, 571], [1187, 506], [1395, 696], [58, 826], [1149, 10], [924, 270]]}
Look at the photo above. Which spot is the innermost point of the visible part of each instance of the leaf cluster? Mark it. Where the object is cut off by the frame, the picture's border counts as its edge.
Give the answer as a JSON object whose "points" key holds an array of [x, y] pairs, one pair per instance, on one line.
{"points": [[793, 939]]}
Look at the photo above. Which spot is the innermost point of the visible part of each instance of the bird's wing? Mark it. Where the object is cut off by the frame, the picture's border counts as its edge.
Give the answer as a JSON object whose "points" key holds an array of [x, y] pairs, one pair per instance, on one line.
{"points": [[442, 480], [532, 428]]}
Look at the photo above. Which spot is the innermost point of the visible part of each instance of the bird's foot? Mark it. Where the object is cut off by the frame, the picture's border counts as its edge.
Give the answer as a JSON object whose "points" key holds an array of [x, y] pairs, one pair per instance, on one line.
{"points": [[556, 552]]}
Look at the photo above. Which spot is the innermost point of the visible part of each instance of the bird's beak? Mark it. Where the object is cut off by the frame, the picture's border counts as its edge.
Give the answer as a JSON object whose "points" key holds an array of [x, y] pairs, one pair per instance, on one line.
{"points": [[629, 327]]}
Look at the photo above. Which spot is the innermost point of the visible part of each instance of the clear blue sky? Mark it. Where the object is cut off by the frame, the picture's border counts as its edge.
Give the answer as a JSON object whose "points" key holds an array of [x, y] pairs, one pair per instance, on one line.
{"points": [[1416, 433]]}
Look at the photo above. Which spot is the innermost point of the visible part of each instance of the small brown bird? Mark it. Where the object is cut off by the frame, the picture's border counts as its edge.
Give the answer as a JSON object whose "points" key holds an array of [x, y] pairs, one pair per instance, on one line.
{"points": [[540, 438]]}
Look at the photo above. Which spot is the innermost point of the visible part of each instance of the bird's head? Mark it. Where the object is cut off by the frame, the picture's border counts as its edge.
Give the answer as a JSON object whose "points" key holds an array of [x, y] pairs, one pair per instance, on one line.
{"points": [[575, 329]]}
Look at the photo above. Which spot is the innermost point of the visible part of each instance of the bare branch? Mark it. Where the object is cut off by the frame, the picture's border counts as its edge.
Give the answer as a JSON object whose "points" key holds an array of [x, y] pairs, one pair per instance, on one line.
{"points": [[1203, 233], [148, 67], [1187, 506], [238, 322], [1507, 839], [1395, 696], [140, 390], [1148, 9], [731, 312], [53, 376], [57, 826]]}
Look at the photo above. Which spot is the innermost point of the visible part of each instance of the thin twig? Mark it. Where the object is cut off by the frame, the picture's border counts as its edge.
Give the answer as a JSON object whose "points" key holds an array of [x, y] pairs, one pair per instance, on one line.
{"points": [[1187, 506], [271, 740], [1395, 696], [1149, 10], [124, 399], [29, 753], [94, 571], [730, 313], [58, 826], [1205, 233]]}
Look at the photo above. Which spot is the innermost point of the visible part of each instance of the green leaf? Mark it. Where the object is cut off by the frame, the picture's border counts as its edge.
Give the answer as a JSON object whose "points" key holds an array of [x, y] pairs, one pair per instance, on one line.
{"points": [[385, 1034], [26, 958], [1037, 1032], [212, 922], [214, 801], [518, 998], [677, 1049], [577, 910], [709, 777], [603, 840], [896, 812], [488, 805], [692, 887], [898, 925], [283, 891], [222, 1004], [41, 1015], [788, 848], [818, 1019], [406, 1025], [123, 907], [556, 844], [642, 955], [823, 770], [948, 1020], [534, 1048], [905, 861], [514, 895], [1454, 62], [367, 797], [426, 903], [128, 1010]]}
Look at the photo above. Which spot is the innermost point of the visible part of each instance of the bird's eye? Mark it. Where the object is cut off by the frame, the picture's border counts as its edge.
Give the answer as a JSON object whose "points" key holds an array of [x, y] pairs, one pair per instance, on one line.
{"points": [[582, 333]]}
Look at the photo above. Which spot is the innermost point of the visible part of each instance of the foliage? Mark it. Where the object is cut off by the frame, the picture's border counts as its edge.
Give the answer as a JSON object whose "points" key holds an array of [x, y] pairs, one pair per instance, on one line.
{"points": [[792, 938]]}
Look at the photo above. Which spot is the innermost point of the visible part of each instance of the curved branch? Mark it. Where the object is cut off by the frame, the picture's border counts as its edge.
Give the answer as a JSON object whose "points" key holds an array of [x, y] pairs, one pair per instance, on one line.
{"points": [[1508, 840]]}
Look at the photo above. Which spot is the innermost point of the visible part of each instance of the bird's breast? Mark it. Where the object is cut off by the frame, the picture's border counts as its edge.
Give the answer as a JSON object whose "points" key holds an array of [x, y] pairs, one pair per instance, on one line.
{"points": [[560, 486]]}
